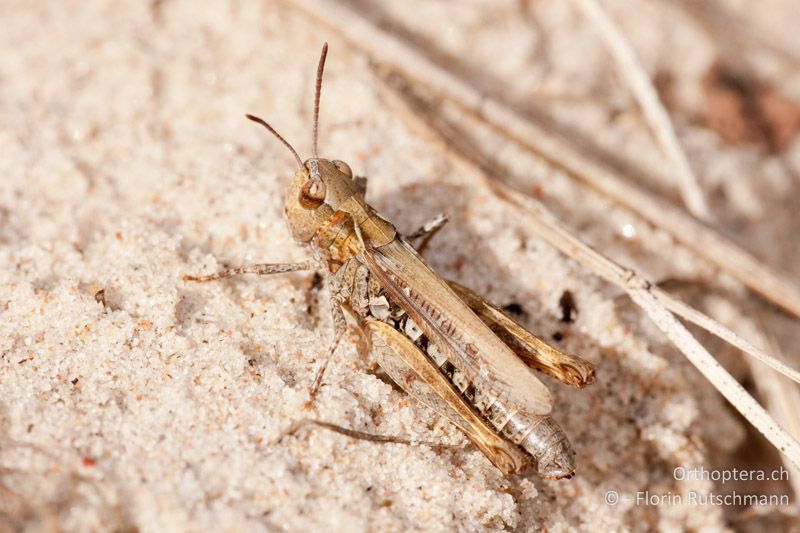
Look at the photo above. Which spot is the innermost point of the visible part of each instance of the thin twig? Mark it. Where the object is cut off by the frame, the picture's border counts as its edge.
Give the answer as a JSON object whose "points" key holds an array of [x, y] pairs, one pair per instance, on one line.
{"points": [[655, 114], [699, 238], [641, 291], [709, 324]]}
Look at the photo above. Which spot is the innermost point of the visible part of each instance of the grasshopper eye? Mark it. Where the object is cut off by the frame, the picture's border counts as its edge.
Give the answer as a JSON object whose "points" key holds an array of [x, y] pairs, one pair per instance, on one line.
{"points": [[343, 167], [312, 195]]}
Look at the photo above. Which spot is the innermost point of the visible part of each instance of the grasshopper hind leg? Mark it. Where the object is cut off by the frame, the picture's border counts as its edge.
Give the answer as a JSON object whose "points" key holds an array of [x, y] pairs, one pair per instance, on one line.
{"points": [[534, 352], [414, 372], [361, 435]]}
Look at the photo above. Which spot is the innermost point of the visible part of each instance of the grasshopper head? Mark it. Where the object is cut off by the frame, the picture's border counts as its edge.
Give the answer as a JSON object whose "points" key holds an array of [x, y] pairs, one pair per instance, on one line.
{"points": [[319, 186], [315, 192]]}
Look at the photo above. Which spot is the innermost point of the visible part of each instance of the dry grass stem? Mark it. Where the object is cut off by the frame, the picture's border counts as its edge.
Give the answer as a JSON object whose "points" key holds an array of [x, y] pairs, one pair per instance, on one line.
{"points": [[654, 112], [712, 326]]}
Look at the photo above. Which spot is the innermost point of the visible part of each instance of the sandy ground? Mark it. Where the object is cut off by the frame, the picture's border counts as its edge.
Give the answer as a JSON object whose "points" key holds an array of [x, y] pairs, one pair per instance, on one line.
{"points": [[126, 163]]}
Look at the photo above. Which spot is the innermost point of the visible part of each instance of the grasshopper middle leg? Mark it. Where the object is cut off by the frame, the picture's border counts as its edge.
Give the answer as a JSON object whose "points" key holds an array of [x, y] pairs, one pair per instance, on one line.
{"points": [[340, 326]]}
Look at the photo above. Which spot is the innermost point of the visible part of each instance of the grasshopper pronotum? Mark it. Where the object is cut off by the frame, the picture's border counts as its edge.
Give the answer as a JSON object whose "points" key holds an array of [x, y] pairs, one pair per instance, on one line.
{"points": [[442, 343]]}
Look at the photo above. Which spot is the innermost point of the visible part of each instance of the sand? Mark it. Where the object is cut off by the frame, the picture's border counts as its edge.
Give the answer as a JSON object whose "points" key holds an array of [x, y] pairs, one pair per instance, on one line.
{"points": [[126, 163]]}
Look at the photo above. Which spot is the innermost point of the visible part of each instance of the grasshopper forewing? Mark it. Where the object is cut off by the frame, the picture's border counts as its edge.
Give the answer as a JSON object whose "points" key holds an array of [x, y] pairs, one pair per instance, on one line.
{"points": [[442, 343], [470, 345]]}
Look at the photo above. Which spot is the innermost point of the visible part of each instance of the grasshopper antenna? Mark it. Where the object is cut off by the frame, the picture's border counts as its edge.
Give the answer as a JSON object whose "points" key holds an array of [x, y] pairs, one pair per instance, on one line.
{"points": [[317, 92], [278, 135]]}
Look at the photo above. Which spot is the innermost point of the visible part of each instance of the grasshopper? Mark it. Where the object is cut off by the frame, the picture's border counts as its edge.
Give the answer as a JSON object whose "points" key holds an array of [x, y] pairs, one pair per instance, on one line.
{"points": [[442, 343]]}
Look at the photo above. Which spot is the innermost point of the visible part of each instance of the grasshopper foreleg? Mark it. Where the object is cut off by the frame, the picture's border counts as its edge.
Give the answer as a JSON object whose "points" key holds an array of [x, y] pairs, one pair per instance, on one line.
{"points": [[340, 326], [261, 269]]}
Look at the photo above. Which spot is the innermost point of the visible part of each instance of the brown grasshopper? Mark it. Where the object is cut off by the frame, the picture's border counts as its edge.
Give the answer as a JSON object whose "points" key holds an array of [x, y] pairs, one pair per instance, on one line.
{"points": [[442, 343]]}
